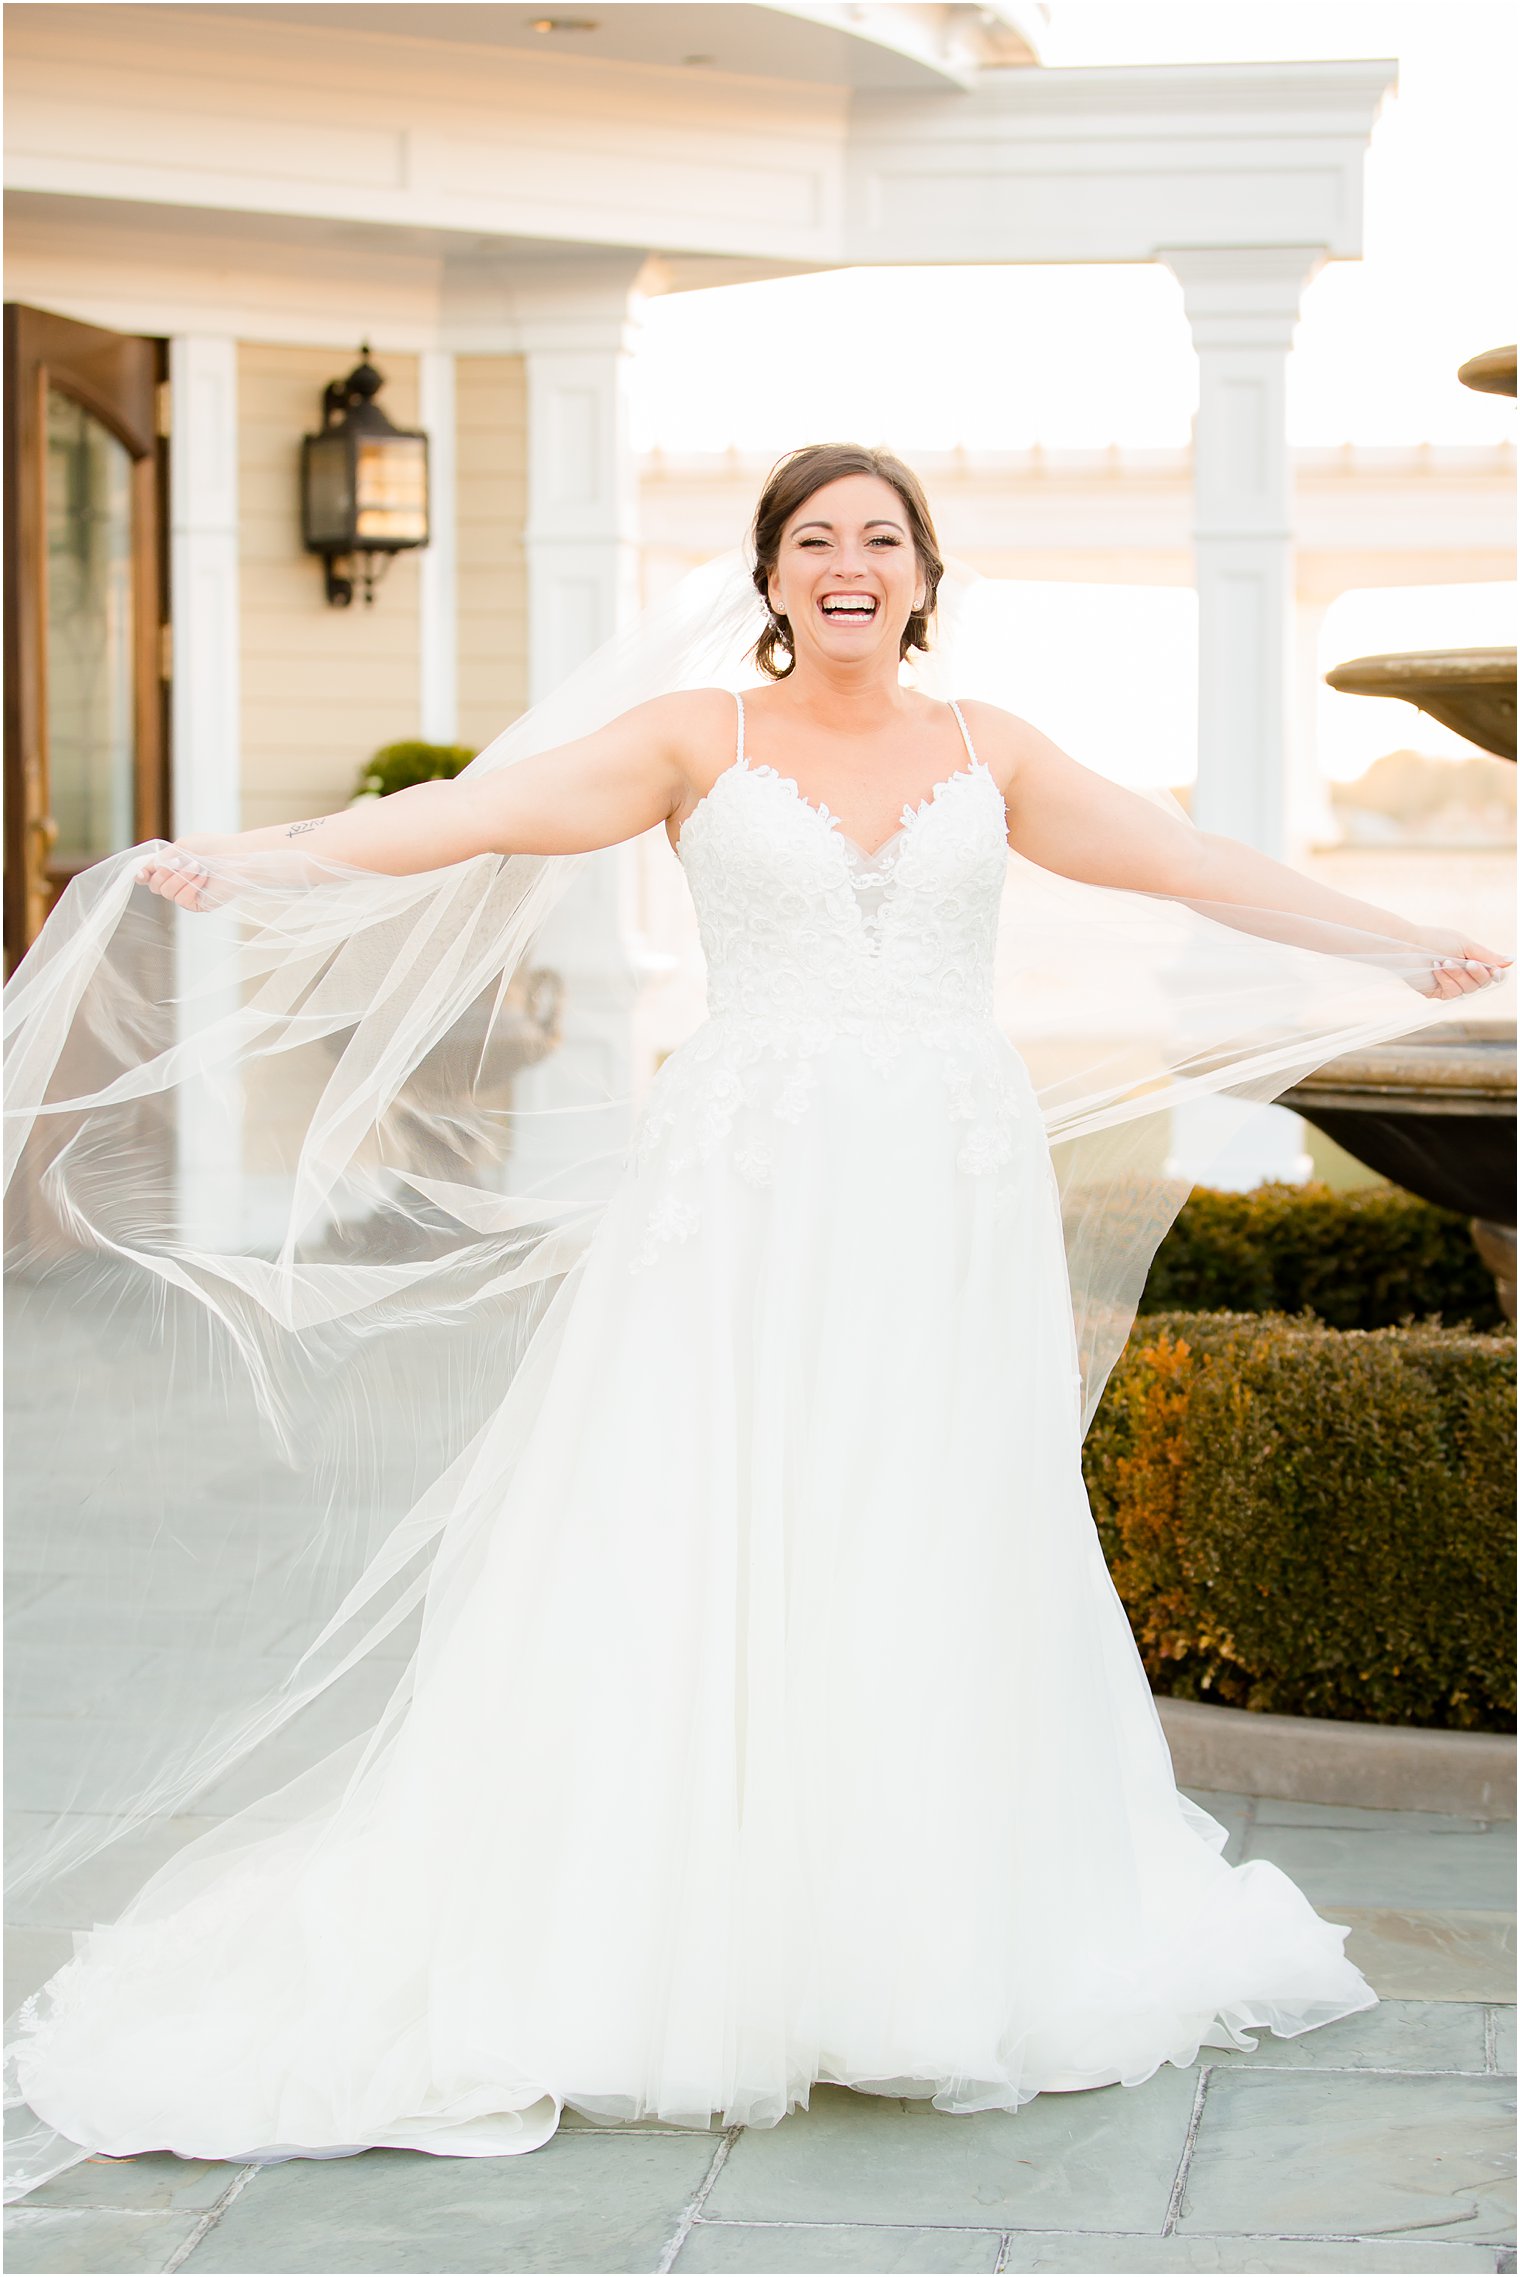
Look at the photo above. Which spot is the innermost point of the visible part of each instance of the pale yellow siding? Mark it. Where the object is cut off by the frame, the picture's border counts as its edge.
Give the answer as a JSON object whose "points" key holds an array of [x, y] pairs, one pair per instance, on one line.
{"points": [[321, 687], [491, 415]]}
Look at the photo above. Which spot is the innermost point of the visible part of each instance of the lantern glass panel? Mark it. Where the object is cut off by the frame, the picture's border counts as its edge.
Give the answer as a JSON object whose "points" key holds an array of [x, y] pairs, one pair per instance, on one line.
{"points": [[329, 492], [391, 490]]}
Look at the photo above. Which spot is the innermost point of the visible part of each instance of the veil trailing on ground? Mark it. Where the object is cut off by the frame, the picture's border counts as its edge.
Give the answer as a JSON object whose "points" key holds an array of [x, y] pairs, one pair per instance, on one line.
{"points": [[295, 1181]]}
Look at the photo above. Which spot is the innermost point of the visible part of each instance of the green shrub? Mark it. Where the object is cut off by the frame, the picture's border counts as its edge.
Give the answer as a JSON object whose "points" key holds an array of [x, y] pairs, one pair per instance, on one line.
{"points": [[396, 766], [1365, 1259], [1314, 1521]]}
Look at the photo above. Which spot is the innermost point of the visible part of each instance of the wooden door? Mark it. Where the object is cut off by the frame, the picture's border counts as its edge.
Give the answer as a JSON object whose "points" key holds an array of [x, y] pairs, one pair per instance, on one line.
{"points": [[86, 741]]}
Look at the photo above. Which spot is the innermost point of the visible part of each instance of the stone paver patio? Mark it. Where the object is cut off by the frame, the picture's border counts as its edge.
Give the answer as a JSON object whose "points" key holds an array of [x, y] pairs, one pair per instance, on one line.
{"points": [[1383, 2142]]}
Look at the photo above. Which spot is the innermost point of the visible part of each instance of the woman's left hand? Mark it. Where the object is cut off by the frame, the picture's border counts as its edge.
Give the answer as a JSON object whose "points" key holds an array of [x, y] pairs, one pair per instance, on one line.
{"points": [[1461, 965], [178, 874]]}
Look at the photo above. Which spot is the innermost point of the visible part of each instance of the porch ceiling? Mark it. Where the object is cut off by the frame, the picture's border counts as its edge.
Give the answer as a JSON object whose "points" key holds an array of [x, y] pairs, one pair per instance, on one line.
{"points": [[138, 266]]}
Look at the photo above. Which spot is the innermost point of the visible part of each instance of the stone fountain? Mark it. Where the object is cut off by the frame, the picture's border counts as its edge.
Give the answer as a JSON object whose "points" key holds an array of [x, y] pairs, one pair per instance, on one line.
{"points": [[1471, 690], [1436, 1112]]}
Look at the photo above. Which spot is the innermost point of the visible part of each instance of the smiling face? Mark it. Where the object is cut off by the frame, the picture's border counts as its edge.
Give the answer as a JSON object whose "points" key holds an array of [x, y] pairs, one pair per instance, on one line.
{"points": [[846, 575]]}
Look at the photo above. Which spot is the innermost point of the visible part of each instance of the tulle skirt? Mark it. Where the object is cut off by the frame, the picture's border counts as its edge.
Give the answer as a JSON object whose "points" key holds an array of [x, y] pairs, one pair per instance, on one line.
{"points": [[774, 1718]]}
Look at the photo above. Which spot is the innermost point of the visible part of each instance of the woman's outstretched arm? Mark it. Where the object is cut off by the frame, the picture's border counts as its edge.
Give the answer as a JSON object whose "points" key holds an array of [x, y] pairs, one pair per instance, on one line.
{"points": [[594, 792], [1068, 819]]}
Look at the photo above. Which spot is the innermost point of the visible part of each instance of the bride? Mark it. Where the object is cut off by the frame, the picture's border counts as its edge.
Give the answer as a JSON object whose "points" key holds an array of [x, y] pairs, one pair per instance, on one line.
{"points": [[769, 1716]]}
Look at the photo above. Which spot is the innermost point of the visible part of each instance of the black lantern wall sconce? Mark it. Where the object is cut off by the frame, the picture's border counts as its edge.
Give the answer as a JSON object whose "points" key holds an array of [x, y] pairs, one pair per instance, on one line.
{"points": [[364, 485]]}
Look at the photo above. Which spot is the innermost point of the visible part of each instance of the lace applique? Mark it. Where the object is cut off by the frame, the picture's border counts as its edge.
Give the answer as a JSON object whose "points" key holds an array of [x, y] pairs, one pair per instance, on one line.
{"points": [[809, 939]]}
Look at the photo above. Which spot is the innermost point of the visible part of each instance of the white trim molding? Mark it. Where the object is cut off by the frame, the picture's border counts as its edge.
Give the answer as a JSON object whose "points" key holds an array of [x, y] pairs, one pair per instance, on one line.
{"points": [[1113, 165], [203, 583], [438, 566]]}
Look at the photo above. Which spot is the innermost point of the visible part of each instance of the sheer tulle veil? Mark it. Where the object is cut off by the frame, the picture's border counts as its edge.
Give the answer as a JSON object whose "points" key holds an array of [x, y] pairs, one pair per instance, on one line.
{"points": [[283, 1224]]}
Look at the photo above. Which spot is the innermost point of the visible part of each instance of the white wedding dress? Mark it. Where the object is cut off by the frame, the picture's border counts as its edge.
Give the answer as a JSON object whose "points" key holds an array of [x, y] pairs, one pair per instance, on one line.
{"points": [[774, 1718]]}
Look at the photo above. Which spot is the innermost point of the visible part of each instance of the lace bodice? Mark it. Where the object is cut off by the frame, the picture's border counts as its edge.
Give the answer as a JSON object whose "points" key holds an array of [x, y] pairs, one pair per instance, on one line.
{"points": [[812, 943], [800, 926]]}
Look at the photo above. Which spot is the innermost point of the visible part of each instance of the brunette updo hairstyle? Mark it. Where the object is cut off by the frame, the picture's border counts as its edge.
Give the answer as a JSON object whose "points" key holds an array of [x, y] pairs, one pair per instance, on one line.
{"points": [[789, 485]]}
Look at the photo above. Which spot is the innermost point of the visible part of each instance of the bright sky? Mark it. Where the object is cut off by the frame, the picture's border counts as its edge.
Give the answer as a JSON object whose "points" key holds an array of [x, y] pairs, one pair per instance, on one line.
{"points": [[1001, 358]]}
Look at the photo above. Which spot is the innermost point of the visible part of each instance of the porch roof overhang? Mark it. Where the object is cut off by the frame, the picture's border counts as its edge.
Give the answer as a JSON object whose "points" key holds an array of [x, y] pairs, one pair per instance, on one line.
{"points": [[852, 43], [488, 159]]}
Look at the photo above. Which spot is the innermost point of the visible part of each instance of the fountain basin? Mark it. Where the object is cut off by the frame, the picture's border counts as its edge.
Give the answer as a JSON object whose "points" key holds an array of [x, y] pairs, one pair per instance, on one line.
{"points": [[1435, 1114], [1471, 690], [1492, 373]]}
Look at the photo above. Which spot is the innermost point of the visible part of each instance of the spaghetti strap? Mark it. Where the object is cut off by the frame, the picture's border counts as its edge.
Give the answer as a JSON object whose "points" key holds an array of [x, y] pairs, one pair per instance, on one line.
{"points": [[965, 733], [739, 746]]}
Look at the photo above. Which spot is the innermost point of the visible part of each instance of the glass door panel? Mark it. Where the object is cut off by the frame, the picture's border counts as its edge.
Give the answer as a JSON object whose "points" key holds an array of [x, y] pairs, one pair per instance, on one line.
{"points": [[86, 605], [90, 638]]}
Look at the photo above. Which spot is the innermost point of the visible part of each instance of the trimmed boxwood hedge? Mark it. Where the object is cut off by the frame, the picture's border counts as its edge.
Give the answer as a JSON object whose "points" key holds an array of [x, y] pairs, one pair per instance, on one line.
{"points": [[397, 766], [1365, 1259], [1313, 1521]]}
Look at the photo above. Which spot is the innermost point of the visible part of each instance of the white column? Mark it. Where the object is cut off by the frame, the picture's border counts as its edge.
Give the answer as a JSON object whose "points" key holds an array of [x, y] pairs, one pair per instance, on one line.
{"points": [[205, 757], [581, 541], [1311, 817], [438, 583], [1242, 304], [582, 528]]}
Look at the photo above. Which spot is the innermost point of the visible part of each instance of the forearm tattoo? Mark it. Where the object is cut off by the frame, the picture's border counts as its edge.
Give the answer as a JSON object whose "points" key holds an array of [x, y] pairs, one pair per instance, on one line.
{"points": [[296, 828]]}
